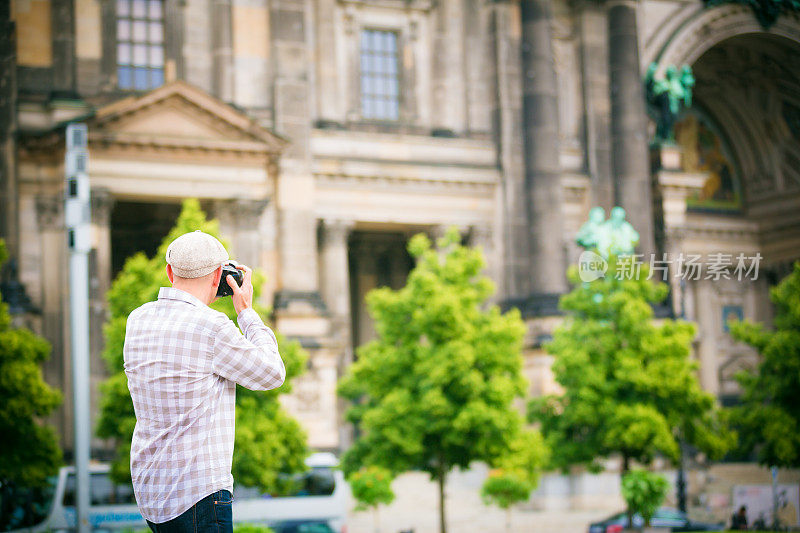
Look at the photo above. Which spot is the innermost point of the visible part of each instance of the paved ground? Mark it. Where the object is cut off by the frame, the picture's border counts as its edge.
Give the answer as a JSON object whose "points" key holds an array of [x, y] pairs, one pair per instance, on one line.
{"points": [[416, 507]]}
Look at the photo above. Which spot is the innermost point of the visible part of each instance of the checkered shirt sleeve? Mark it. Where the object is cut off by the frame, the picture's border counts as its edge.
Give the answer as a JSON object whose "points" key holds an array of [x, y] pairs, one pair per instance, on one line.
{"points": [[251, 360]]}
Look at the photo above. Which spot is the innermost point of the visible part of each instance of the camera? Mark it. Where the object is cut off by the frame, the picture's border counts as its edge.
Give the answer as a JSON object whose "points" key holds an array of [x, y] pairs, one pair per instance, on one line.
{"points": [[224, 289]]}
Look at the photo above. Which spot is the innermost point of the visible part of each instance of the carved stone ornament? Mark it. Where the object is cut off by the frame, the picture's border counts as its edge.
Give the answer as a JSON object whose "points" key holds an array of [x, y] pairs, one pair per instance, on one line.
{"points": [[102, 203], [50, 212], [765, 11], [337, 231], [244, 213]]}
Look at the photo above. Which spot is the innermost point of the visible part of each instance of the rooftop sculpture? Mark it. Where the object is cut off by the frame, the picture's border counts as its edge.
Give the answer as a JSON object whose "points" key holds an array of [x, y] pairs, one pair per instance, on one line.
{"points": [[614, 236], [668, 97]]}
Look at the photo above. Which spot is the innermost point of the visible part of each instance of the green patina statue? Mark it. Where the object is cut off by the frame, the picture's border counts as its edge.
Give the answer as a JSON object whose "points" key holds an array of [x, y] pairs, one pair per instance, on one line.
{"points": [[614, 236], [668, 97]]}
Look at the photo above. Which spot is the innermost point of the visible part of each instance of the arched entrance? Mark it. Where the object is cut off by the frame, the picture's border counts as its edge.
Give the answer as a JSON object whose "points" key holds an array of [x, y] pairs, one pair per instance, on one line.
{"points": [[742, 141]]}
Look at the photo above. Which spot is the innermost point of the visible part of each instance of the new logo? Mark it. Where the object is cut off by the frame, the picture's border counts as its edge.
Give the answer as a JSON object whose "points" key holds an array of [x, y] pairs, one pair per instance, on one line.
{"points": [[591, 266]]}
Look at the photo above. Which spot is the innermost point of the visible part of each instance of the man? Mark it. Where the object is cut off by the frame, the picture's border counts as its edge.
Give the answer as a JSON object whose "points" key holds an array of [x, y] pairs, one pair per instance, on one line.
{"points": [[183, 361], [739, 520]]}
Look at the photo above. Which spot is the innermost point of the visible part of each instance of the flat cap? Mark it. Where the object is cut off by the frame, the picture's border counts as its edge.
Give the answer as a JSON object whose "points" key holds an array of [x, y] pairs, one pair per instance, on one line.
{"points": [[195, 254]]}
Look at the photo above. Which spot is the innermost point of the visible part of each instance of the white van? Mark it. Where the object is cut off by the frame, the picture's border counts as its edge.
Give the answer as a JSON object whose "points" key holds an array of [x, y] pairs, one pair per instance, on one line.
{"points": [[317, 506]]}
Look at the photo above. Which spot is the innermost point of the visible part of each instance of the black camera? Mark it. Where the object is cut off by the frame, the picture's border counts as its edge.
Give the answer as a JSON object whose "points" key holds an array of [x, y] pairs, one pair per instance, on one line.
{"points": [[224, 289]]}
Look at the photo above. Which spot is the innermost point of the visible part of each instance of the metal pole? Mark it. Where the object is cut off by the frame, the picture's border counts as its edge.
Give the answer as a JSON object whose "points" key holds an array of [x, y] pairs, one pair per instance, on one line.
{"points": [[774, 472], [681, 482], [76, 215]]}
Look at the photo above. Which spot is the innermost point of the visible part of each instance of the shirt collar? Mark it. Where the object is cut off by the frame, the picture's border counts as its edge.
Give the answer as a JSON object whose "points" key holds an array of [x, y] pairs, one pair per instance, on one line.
{"points": [[171, 293]]}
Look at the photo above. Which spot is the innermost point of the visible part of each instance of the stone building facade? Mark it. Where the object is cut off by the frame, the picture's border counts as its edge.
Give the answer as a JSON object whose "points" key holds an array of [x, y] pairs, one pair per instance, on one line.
{"points": [[323, 133]]}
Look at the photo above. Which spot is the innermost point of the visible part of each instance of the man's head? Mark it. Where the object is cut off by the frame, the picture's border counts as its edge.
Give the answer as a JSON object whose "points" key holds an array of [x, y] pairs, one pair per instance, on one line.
{"points": [[194, 264]]}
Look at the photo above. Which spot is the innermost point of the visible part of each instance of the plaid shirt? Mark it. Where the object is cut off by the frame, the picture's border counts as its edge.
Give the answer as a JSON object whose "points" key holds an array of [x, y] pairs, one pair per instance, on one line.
{"points": [[183, 360]]}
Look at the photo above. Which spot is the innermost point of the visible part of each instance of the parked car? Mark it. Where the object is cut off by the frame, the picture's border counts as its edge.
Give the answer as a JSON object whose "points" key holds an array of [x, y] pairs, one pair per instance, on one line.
{"points": [[317, 505], [664, 517]]}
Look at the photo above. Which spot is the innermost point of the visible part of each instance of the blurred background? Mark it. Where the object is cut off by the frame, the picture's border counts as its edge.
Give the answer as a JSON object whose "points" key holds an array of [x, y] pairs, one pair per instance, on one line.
{"points": [[323, 134]]}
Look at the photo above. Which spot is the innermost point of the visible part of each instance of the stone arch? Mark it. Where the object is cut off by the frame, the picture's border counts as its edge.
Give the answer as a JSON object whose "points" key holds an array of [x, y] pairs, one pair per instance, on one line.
{"points": [[695, 30], [762, 143]]}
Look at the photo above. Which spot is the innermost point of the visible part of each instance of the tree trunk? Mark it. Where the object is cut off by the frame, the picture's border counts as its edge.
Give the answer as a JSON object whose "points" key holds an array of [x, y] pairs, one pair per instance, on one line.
{"points": [[442, 475], [625, 468], [508, 519], [376, 519]]}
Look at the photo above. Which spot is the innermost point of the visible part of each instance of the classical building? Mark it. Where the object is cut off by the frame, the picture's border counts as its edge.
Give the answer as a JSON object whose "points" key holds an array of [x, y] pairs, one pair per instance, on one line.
{"points": [[323, 133]]}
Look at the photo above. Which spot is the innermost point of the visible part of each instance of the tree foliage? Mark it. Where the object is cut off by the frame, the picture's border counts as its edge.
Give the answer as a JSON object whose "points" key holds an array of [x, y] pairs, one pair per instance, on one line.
{"points": [[517, 473], [435, 389], [644, 492], [770, 415], [504, 489], [29, 449], [629, 386], [371, 486], [267, 441]]}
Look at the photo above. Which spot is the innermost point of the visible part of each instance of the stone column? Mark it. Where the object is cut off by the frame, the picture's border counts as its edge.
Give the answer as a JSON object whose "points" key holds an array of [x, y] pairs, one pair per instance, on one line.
{"points": [[99, 282], [222, 50], [483, 236], [477, 71], [335, 278], [63, 30], [353, 74], [57, 369], [239, 223], [364, 278], [335, 288], [174, 40], [449, 104], [329, 99], [507, 113], [629, 151], [542, 168], [297, 223], [593, 28], [9, 199]]}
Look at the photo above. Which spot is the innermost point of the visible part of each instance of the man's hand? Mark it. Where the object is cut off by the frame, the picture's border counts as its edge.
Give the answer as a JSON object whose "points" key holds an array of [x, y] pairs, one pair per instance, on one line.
{"points": [[242, 296]]}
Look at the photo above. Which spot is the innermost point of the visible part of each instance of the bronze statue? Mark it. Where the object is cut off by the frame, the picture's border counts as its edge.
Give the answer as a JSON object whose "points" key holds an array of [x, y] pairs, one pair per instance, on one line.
{"points": [[668, 97], [614, 236]]}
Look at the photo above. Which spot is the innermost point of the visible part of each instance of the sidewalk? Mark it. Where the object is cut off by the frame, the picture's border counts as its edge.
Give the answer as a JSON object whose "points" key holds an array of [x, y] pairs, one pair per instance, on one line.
{"points": [[416, 507]]}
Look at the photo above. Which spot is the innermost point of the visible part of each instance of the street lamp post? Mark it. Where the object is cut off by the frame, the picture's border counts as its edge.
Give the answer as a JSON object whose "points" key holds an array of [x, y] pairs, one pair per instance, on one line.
{"points": [[680, 484], [77, 218]]}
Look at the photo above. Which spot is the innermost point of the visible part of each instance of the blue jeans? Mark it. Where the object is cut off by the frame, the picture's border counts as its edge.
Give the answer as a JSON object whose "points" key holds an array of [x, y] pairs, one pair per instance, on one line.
{"points": [[212, 514]]}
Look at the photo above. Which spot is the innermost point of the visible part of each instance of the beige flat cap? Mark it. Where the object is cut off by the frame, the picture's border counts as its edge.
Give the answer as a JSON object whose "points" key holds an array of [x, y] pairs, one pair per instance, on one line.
{"points": [[195, 254]]}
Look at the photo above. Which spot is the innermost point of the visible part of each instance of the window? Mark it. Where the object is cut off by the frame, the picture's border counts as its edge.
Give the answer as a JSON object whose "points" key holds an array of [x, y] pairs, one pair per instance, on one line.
{"points": [[140, 44], [380, 79]]}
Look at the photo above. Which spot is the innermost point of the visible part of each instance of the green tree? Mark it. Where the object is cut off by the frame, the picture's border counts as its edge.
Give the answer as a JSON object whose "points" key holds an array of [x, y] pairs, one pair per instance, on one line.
{"points": [[629, 385], [29, 449], [371, 486], [517, 473], [267, 441], [770, 415], [504, 489], [644, 492], [435, 389]]}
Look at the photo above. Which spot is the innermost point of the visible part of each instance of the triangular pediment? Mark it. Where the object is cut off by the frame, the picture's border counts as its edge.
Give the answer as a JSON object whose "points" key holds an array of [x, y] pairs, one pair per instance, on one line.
{"points": [[181, 114]]}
